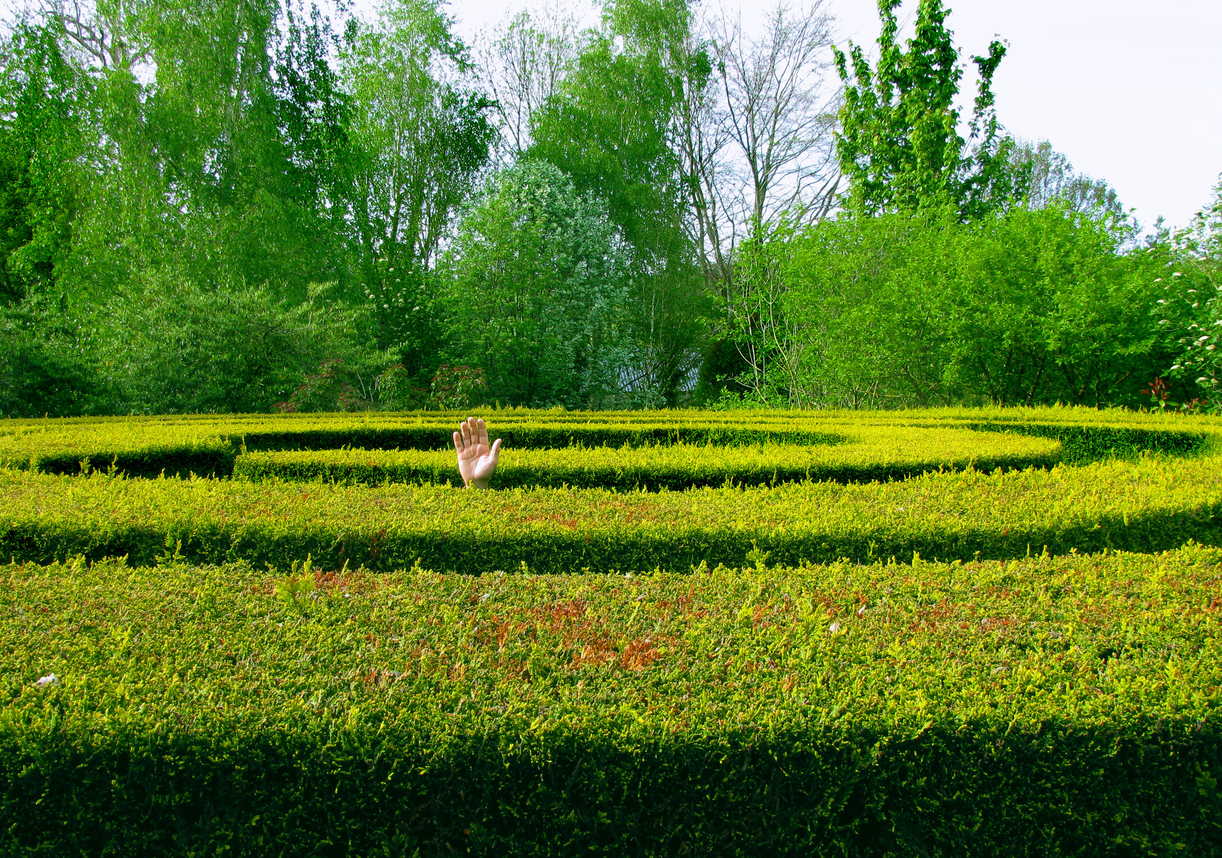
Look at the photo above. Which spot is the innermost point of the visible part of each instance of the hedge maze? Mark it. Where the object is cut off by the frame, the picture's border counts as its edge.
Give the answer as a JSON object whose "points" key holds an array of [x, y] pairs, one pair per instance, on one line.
{"points": [[960, 632]]}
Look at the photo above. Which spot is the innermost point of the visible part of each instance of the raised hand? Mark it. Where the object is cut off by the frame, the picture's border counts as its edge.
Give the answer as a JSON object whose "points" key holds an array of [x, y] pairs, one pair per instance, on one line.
{"points": [[476, 460]]}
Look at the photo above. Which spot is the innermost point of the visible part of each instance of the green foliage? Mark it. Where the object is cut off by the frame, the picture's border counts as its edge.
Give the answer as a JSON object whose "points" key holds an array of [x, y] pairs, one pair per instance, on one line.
{"points": [[45, 120], [763, 344], [1028, 707], [859, 454], [194, 172], [1011, 701], [610, 127], [899, 144], [202, 158], [41, 370], [420, 139], [1149, 504], [173, 350], [1189, 309], [537, 292], [1028, 307]]}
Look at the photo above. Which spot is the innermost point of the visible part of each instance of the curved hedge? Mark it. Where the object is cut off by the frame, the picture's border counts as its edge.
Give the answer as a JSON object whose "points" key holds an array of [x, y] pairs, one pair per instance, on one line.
{"points": [[858, 454], [1145, 505], [208, 445], [197, 665]]}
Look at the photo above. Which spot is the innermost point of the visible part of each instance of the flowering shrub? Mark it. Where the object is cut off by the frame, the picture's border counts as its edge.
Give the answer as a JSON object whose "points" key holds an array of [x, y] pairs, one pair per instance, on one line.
{"points": [[1191, 311]]}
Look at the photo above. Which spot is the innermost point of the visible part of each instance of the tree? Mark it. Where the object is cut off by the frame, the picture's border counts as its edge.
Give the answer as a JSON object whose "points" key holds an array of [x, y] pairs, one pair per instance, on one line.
{"points": [[780, 114], [864, 299], [536, 291], [177, 156], [1027, 307], [759, 150], [193, 166], [899, 144], [523, 66], [1046, 311], [611, 127], [1189, 307], [421, 140], [47, 121], [1049, 179]]}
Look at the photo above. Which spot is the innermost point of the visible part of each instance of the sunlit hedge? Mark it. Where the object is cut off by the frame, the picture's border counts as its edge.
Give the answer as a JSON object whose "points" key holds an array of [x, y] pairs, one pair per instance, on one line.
{"points": [[940, 633], [1030, 707], [1146, 505], [855, 454]]}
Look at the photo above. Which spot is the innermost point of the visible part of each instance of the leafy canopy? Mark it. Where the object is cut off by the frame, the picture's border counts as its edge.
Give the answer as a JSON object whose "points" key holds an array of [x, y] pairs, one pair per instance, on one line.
{"points": [[899, 144]]}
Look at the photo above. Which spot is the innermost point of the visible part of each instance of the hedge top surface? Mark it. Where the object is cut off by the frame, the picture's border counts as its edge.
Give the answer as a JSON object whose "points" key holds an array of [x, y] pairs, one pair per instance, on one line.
{"points": [[861, 453], [1113, 639], [1149, 504], [210, 442]]}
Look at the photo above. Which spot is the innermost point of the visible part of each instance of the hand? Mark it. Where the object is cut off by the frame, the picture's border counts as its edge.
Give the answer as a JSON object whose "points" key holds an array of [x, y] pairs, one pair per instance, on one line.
{"points": [[476, 460]]}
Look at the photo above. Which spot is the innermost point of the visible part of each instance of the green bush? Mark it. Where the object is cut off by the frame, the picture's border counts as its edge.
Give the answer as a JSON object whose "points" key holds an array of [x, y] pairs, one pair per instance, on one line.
{"points": [[1026, 308], [1032, 707]]}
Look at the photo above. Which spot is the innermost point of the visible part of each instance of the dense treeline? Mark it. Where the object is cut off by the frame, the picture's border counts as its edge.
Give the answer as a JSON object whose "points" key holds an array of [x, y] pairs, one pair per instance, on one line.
{"points": [[243, 205]]}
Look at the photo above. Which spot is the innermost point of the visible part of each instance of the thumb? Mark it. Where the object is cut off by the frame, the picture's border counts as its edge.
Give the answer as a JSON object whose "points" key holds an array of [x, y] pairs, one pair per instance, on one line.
{"points": [[496, 449]]}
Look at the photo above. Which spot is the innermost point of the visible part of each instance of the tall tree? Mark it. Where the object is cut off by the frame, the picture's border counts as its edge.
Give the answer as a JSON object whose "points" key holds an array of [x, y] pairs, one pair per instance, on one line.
{"points": [[611, 127], [421, 140], [47, 129], [195, 173], [765, 165], [1189, 309], [899, 145], [536, 291], [1049, 179], [781, 113], [523, 64]]}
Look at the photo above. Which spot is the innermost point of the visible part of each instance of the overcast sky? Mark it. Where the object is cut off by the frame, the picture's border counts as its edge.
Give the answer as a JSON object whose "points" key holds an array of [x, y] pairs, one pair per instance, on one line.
{"points": [[1131, 93]]}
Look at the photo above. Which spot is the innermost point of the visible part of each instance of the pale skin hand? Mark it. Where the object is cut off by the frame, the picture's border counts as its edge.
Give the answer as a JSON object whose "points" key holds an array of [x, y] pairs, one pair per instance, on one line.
{"points": [[476, 460]]}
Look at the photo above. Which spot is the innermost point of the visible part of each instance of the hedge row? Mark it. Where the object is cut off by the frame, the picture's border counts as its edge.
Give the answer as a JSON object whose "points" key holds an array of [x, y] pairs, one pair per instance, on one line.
{"points": [[1045, 706], [1146, 505], [207, 445], [868, 453]]}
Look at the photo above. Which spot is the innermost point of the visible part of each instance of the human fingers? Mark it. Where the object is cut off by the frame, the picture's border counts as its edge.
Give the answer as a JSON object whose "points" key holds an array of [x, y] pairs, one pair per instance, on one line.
{"points": [[481, 433], [458, 444], [496, 450]]}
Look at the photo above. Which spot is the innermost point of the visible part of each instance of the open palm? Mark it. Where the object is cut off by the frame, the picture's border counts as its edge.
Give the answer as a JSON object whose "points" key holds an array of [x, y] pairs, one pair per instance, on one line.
{"points": [[476, 459]]}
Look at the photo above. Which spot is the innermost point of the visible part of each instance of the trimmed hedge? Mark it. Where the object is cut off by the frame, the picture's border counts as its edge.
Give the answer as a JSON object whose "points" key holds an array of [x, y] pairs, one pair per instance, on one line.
{"points": [[1145, 505], [1036, 707], [314, 691], [207, 445], [863, 454]]}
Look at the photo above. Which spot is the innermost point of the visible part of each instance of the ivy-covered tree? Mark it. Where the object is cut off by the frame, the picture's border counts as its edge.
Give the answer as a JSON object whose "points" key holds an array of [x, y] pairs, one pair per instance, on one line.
{"points": [[899, 144]]}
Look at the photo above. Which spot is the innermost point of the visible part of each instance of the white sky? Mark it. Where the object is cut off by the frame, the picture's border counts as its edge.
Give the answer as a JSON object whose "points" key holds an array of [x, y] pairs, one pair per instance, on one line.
{"points": [[1130, 92]]}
